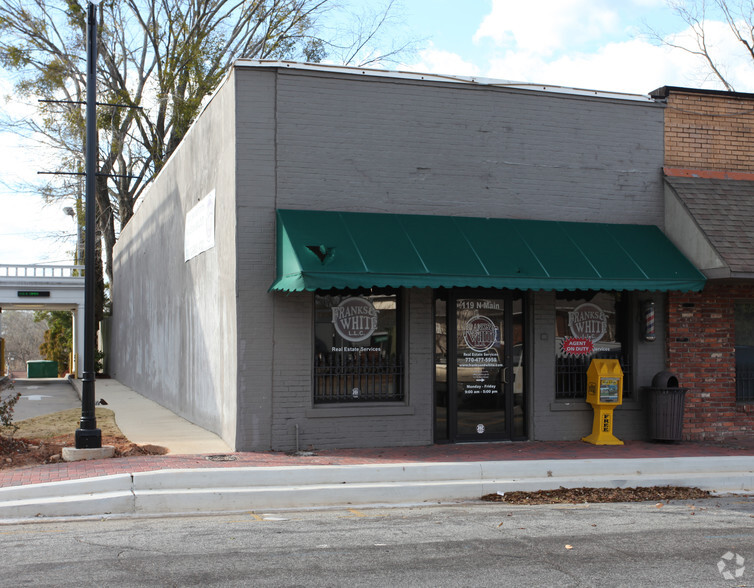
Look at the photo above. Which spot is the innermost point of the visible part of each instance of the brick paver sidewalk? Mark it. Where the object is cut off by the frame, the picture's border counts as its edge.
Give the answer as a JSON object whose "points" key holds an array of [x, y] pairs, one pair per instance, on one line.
{"points": [[429, 454]]}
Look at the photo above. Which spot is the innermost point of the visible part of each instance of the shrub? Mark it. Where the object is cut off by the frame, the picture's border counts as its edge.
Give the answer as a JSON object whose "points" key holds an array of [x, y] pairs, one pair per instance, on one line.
{"points": [[7, 405]]}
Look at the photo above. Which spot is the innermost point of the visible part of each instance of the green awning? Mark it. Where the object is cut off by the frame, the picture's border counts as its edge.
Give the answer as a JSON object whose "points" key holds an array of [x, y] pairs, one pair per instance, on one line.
{"points": [[319, 250]]}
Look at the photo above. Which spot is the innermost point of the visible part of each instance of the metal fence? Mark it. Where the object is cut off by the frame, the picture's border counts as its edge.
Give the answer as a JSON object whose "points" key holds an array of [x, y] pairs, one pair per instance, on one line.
{"points": [[41, 271], [570, 375], [357, 378], [745, 382]]}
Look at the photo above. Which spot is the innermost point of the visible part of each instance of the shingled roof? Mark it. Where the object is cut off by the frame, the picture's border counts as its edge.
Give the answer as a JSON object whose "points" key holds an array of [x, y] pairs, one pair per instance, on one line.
{"points": [[723, 209]]}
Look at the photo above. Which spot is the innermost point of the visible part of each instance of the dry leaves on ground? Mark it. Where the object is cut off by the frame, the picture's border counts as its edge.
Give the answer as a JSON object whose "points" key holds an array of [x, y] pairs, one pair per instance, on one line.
{"points": [[595, 495], [20, 452], [40, 440]]}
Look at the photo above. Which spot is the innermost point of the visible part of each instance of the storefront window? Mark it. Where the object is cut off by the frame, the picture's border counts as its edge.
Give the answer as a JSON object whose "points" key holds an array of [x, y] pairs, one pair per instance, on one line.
{"points": [[588, 325], [744, 317], [357, 348]]}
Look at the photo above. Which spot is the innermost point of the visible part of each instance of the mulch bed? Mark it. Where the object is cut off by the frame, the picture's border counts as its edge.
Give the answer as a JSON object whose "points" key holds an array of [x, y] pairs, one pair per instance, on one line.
{"points": [[595, 495], [19, 452]]}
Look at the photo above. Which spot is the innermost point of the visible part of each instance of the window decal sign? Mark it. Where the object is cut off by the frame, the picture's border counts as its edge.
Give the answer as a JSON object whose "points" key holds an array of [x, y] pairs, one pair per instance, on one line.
{"points": [[588, 324], [479, 333], [355, 319], [588, 321], [577, 346]]}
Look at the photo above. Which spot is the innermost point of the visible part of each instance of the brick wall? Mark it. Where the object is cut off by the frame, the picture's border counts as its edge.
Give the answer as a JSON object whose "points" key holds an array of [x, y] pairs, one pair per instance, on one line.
{"points": [[701, 353], [711, 132], [369, 144], [404, 146], [297, 424]]}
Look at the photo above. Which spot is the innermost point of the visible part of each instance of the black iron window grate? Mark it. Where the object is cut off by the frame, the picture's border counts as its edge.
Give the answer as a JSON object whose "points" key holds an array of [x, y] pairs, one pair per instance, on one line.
{"points": [[357, 378], [745, 383], [570, 375]]}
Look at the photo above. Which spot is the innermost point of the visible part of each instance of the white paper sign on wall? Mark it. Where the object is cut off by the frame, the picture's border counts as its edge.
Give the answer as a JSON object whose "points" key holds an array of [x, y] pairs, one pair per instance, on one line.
{"points": [[200, 227]]}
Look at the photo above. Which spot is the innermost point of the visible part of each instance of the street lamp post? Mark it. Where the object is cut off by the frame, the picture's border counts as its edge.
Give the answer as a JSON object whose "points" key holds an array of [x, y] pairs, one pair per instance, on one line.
{"points": [[88, 436]]}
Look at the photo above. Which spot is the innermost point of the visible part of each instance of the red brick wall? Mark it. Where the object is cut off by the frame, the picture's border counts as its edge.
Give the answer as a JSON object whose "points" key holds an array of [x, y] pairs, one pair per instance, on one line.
{"points": [[701, 339], [707, 131]]}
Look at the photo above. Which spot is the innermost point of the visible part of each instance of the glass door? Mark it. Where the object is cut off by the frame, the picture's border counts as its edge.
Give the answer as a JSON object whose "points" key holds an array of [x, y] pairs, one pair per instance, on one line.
{"points": [[479, 367]]}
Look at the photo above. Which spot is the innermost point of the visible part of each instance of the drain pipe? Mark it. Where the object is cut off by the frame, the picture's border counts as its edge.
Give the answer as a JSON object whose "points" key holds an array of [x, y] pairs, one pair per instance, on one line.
{"points": [[297, 447]]}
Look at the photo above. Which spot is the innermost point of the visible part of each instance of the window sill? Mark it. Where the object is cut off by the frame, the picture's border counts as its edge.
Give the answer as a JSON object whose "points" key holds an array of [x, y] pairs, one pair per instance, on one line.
{"points": [[361, 410], [745, 406], [581, 405], [560, 405]]}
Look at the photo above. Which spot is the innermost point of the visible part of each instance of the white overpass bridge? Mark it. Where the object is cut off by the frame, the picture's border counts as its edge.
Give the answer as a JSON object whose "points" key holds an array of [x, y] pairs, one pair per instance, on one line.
{"points": [[47, 287]]}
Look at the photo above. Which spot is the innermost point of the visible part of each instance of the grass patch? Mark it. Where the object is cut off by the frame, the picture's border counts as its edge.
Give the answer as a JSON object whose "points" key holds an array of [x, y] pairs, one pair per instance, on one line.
{"points": [[62, 423]]}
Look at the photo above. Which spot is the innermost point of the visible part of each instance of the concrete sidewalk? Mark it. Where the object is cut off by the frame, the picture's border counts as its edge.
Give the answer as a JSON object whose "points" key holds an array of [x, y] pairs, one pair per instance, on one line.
{"points": [[201, 474], [144, 422]]}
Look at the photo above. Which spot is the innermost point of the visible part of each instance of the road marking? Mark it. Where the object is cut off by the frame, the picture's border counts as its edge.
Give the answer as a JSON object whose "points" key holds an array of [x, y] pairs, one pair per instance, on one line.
{"points": [[31, 532], [35, 396], [355, 514], [260, 518]]}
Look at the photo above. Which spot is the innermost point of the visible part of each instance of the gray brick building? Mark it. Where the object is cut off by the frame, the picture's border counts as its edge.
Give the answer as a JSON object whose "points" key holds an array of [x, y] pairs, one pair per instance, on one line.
{"points": [[342, 258]]}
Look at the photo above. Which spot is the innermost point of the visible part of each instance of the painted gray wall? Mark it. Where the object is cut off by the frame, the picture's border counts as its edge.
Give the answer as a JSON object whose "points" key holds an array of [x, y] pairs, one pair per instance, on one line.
{"points": [[174, 322], [356, 143], [555, 419], [206, 339], [256, 187], [327, 426], [403, 146]]}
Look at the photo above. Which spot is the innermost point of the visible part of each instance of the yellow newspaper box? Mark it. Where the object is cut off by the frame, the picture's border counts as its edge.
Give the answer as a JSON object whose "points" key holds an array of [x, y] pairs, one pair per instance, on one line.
{"points": [[604, 391]]}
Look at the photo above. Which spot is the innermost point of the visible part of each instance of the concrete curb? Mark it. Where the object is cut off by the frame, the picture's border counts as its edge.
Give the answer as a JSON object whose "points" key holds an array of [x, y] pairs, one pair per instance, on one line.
{"points": [[75, 384], [250, 488]]}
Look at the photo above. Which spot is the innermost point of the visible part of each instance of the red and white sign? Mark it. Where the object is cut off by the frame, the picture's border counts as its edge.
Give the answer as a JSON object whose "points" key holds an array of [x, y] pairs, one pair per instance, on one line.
{"points": [[577, 346]]}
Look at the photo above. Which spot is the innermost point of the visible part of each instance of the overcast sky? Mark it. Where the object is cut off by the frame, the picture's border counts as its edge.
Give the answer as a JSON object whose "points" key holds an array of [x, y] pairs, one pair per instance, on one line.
{"points": [[595, 44]]}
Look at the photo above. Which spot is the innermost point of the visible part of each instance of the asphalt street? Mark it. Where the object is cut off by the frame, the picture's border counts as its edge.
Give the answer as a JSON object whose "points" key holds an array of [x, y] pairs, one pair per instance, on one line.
{"points": [[478, 544], [43, 396]]}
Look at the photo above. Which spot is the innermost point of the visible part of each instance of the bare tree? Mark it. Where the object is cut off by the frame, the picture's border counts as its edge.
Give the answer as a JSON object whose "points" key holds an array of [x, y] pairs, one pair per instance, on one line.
{"points": [[697, 14], [23, 336], [372, 36], [159, 61]]}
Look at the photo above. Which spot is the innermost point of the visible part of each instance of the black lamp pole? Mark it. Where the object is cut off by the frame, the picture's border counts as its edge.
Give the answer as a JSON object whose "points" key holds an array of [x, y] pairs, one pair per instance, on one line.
{"points": [[88, 436]]}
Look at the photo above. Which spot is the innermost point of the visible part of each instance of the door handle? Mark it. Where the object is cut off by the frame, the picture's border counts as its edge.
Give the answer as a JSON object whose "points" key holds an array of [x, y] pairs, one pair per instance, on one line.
{"points": [[505, 380]]}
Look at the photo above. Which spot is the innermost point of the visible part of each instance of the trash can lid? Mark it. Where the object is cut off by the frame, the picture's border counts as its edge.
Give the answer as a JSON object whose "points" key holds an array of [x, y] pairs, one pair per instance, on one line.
{"points": [[665, 379]]}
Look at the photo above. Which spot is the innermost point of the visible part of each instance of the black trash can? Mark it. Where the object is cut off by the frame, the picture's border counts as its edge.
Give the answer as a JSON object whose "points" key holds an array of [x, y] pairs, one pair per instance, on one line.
{"points": [[666, 401]]}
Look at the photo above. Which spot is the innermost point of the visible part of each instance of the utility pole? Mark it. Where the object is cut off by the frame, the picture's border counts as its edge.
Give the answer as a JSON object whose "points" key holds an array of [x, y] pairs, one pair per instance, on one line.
{"points": [[73, 213], [88, 436]]}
